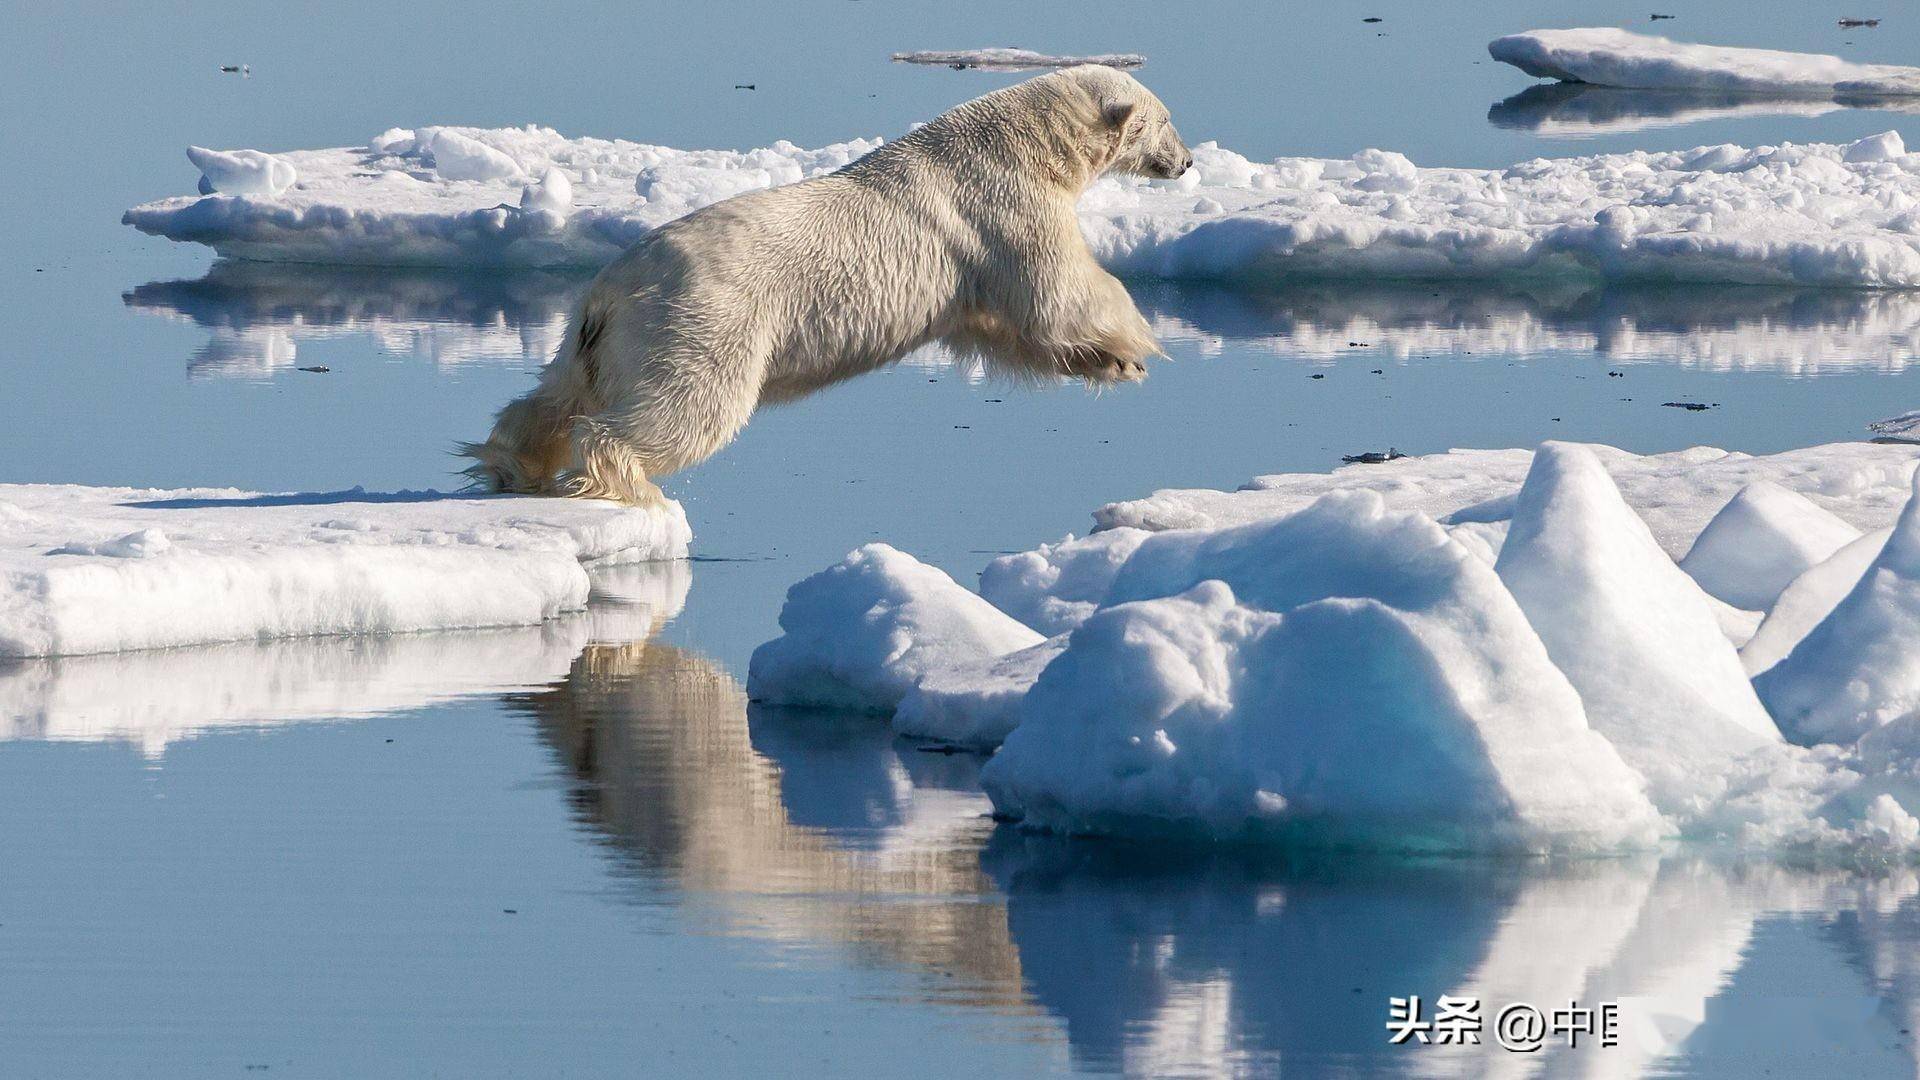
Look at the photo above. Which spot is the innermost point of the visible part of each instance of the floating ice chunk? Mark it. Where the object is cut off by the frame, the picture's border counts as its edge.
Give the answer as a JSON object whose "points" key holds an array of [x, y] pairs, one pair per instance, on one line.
{"points": [[1760, 541], [1010, 59], [1882, 147], [394, 140], [553, 191], [92, 570], [1860, 667], [861, 634], [462, 157], [241, 172], [1263, 697], [1808, 600], [1634, 634], [1384, 170], [1788, 214], [974, 703], [160, 696], [1054, 587], [1606, 56]]}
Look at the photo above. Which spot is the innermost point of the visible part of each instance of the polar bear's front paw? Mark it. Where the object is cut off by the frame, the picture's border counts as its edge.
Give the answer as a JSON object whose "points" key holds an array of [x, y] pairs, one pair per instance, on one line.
{"points": [[1101, 368]]}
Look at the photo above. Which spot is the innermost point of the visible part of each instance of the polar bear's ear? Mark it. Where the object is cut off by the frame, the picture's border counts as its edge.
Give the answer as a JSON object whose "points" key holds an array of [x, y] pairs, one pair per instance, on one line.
{"points": [[1117, 113]]}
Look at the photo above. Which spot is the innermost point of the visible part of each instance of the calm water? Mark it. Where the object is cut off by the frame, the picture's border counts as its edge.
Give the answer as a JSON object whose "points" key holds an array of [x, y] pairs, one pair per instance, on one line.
{"points": [[575, 849]]}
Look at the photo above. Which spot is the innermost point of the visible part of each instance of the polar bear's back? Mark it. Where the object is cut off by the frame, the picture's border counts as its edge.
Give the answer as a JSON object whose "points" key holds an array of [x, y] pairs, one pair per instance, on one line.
{"points": [[822, 278]]}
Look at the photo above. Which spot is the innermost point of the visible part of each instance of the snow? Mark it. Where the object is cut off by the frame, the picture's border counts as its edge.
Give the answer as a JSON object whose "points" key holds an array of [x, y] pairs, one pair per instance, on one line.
{"points": [[155, 698], [1763, 539], [1607, 56], [241, 172], [1491, 649], [1788, 214], [1011, 59], [96, 570], [861, 634], [1635, 635], [1859, 668], [1808, 599], [1254, 685], [974, 703]]}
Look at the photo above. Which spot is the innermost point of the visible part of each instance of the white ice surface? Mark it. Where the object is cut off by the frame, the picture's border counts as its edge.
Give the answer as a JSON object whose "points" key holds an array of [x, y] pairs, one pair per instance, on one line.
{"points": [[1608, 56], [94, 570], [157, 697], [1428, 654], [1859, 668], [861, 634], [1248, 680], [1760, 541], [241, 172], [1788, 214], [1808, 599], [1010, 59], [1635, 635]]}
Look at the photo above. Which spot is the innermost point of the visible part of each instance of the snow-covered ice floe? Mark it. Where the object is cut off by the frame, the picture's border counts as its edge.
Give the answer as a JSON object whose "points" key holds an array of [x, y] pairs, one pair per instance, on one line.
{"points": [[157, 697], [1608, 56], [1481, 649], [95, 570], [1807, 214], [1010, 59]]}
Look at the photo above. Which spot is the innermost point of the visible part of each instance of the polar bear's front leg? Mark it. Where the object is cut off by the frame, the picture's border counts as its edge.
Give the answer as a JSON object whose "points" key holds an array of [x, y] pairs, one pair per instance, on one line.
{"points": [[1085, 322]]}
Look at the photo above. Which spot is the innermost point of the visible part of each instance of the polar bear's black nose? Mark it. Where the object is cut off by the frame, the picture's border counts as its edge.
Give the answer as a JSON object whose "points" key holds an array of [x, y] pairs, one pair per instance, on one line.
{"points": [[1185, 165]]}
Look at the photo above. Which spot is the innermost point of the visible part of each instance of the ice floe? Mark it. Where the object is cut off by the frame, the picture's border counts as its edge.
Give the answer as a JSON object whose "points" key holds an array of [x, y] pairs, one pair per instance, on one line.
{"points": [[1608, 56], [158, 697], [1476, 649], [1806, 214], [1010, 59], [861, 634], [95, 570]]}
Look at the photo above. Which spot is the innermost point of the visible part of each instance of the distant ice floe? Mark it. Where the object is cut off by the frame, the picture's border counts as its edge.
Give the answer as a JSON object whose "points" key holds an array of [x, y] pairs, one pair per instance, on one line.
{"points": [[96, 570], [258, 315], [1793, 214], [1608, 56], [1009, 59], [1513, 650]]}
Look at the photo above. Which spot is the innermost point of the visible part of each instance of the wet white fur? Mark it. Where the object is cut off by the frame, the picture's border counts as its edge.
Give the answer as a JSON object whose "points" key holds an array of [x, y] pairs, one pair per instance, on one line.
{"points": [[963, 231]]}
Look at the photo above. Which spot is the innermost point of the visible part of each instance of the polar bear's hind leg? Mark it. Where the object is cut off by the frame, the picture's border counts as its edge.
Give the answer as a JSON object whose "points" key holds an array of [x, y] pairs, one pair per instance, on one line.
{"points": [[605, 466]]}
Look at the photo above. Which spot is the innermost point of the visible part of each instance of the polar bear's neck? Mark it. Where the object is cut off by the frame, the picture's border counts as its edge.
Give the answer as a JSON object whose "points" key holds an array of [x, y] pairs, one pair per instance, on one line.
{"points": [[1045, 128]]}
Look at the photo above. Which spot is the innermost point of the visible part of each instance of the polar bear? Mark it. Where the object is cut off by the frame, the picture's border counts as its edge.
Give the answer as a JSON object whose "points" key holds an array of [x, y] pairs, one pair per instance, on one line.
{"points": [[961, 232]]}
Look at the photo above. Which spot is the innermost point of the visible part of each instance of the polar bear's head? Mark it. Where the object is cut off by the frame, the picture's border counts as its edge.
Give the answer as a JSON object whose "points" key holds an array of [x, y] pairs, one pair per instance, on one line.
{"points": [[1138, 130]]}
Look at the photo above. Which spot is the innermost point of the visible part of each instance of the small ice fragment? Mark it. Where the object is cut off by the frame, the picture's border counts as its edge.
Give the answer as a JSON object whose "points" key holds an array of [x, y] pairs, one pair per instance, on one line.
{"points": [[553, 192], [462, 157], [1882, 147], [242, 172]]}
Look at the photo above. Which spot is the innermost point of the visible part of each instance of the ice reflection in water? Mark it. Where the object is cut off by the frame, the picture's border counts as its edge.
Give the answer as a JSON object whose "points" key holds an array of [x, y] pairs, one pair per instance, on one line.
{"points": [[258, 314], [1580, 110], [1737, 328]]}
